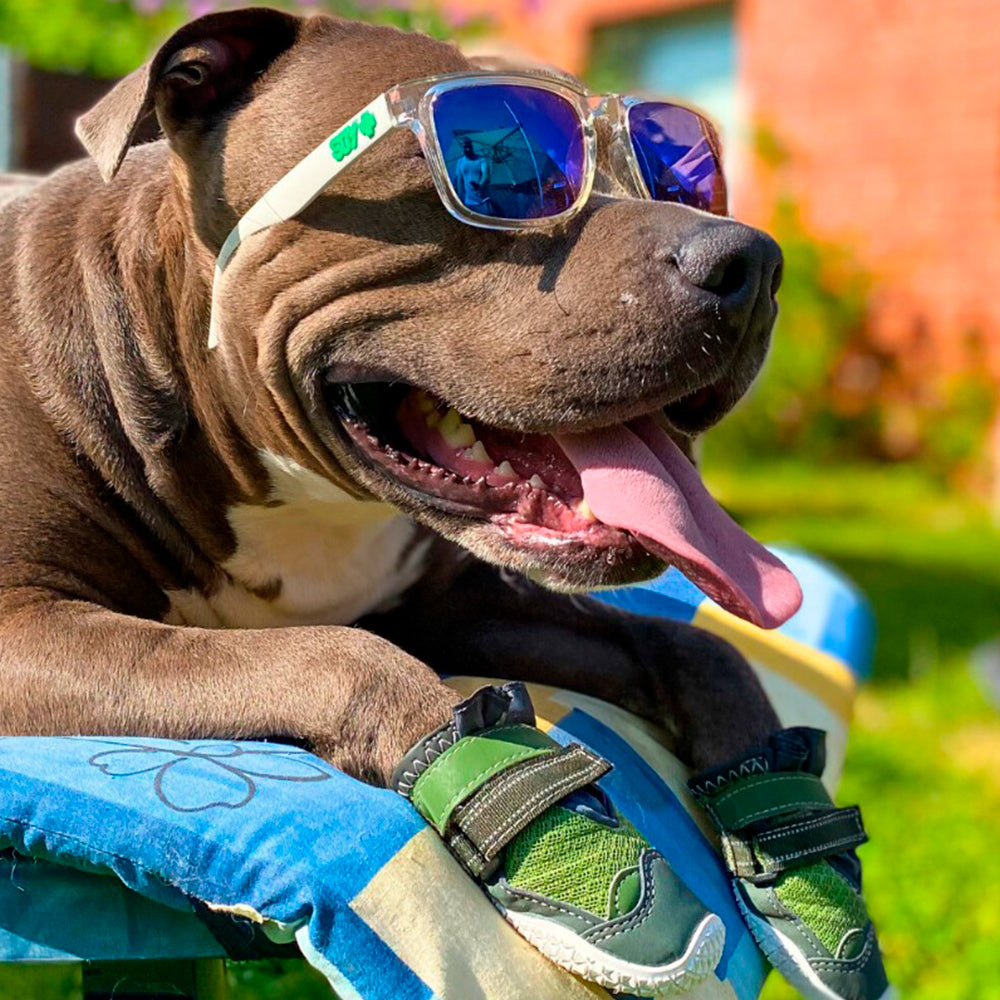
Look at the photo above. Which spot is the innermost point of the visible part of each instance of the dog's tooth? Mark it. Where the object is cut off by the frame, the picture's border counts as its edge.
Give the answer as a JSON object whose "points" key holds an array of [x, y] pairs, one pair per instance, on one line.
{"points": [[424, 402], [450, 421], [432, 418], [462, 437], [537, 481], [583, 510], [506, 469], [478, 453], [457, 433]]}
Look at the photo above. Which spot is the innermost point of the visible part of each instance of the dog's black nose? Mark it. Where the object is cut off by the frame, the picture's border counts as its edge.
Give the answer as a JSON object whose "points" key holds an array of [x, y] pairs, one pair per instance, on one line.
{"points": [[732, 262]]}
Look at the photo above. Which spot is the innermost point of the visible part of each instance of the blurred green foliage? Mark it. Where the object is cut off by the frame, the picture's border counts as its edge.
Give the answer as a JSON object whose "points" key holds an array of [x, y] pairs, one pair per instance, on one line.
{"points": [[822, 306], [830, 391], [102, 37], [111, 37], [277, 979]]}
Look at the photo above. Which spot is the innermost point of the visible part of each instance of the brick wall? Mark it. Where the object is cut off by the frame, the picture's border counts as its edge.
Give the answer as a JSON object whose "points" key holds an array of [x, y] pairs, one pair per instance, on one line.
{"points": [[890, 110]]}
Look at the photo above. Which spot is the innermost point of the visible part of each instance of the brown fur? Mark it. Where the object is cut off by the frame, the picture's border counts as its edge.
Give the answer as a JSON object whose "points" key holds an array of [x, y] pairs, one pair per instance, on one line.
{"points": [[126, 442]]}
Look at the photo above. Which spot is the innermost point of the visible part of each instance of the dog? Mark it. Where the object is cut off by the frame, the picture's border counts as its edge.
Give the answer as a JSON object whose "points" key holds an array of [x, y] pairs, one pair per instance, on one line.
{"points": [[242, 542]]}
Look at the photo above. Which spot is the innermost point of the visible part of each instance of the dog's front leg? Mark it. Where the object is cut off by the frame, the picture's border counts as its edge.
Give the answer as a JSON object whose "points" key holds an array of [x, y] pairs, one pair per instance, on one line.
{"points": [[70, 667], [483, 622]]}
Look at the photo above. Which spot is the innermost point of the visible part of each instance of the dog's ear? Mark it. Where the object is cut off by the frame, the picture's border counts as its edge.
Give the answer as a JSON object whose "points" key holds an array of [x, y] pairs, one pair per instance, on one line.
{"points": [[196, 74]]}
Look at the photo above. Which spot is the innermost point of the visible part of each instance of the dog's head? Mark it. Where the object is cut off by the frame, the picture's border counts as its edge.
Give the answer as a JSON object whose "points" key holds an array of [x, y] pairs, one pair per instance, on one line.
{"points": [[523, 394]]}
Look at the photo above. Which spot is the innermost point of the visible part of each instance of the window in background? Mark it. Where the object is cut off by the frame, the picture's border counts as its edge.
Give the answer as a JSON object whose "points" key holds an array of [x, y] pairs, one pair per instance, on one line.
{"points": [[691, 55]]}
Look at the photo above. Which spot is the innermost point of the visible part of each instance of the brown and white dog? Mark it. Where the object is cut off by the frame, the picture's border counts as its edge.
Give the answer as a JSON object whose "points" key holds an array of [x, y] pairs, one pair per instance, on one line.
{"points": [[245, 541]]}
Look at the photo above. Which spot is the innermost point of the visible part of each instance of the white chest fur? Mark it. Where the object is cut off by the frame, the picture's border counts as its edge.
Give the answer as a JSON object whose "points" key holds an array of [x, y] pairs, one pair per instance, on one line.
{"points": [[330, 558]]}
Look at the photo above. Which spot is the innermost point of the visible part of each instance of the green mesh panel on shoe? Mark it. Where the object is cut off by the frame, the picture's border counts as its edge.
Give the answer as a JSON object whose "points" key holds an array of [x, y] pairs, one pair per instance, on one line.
{"points": [[571, 858], [824, 902]]}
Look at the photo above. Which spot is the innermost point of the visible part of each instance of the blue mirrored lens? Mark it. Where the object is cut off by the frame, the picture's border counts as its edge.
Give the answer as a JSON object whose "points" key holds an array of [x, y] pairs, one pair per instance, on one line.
{"points": [[675, 156], [511, 152]]}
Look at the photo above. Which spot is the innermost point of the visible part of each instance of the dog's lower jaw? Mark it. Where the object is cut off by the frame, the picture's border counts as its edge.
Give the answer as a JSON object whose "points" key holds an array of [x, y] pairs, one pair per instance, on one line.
{"points": [[563, 565], [595, 556], [580, 578]]}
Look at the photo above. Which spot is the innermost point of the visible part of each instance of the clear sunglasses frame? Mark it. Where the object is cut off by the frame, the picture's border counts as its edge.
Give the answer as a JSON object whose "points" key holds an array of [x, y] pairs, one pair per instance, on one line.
{"points": [[411, 105]]}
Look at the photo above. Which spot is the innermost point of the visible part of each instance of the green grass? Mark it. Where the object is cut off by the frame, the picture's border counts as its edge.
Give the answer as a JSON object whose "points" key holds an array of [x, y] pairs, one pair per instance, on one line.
{"points": [[929, 561], [924, 757]]}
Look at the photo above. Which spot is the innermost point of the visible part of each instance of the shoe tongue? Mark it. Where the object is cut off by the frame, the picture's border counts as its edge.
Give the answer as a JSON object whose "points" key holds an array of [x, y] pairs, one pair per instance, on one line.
{"points": [[636, 478]]}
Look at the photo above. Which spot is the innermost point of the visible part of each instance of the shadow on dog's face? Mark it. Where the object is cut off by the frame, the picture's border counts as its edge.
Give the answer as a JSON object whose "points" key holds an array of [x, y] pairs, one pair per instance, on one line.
{"points": [[478, 380]]}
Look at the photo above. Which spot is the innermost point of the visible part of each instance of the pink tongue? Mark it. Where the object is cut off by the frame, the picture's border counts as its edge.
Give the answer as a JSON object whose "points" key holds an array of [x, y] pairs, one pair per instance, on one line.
{"points": [[637, 479]]}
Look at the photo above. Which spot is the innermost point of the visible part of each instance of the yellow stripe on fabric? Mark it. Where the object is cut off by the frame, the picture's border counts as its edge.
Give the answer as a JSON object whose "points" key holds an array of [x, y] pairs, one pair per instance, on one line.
{"points": [[823, 675], [437, 921]]}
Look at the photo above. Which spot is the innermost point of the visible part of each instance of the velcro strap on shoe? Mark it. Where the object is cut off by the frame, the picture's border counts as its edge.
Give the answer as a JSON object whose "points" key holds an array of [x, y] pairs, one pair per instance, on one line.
{"points": [[766, 854], [494, 814], [469, 763], [767, 796]]}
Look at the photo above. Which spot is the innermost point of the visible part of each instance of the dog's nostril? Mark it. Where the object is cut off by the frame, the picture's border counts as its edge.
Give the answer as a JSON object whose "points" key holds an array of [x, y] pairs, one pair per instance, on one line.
{"points": [[726, 278], [730, 261], [723, 267], [776, 277]]}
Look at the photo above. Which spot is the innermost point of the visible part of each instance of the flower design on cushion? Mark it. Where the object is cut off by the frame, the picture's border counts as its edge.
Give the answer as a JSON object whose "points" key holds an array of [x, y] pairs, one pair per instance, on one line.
{"points": [[194, 777]]}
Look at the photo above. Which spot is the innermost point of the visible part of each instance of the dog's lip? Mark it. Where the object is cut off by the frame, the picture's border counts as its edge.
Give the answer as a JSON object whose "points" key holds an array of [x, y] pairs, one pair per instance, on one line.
{"points": [[698, 410], [347, 372], [528, 513], [670, 408], [503, 510]]}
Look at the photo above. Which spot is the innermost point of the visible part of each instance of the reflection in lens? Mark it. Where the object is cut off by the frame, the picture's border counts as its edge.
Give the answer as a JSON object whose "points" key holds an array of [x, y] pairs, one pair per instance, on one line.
{"points": [[511, 152], [675, 157]]}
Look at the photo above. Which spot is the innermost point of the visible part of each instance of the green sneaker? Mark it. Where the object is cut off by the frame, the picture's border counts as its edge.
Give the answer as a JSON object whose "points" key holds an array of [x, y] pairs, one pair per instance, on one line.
{"points": [[796, 878], [526, 819]]}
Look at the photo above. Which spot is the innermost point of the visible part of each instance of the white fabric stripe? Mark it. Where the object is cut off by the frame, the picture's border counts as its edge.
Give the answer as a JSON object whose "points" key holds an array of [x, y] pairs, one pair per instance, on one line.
{"points": [[342, 986]]}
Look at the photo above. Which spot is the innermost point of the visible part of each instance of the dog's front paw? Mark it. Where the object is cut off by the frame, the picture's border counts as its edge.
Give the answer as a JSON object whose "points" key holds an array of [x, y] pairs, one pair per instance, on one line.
{"points": [[526, 818], [796, 877]]}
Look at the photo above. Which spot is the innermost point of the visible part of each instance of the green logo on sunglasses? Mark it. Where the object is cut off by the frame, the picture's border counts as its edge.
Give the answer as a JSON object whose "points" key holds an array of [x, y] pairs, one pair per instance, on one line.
{"points": [[346, 140]]}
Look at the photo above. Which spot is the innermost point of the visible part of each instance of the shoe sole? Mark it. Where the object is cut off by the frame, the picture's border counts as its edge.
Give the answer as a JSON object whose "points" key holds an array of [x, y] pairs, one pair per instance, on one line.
{"points": [[788, 959], [568, 950]]}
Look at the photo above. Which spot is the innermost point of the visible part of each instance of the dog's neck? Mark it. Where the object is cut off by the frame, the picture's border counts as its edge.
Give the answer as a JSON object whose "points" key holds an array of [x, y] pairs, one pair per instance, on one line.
{"points": [[263, 539], [304, 550]]}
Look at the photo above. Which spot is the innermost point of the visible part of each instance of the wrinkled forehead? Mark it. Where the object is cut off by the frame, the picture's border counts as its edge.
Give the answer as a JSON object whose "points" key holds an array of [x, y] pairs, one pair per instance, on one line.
{"points": [[333, 70], [337, 67]]}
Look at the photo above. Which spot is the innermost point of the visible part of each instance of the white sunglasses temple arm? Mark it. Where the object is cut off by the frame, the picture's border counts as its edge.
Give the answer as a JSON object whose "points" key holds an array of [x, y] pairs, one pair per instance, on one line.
{"points": [[302, 185]]}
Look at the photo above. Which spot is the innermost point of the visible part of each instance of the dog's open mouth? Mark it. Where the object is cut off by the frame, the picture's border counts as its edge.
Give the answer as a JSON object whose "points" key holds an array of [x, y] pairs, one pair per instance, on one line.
{"points": [[603, 489]]}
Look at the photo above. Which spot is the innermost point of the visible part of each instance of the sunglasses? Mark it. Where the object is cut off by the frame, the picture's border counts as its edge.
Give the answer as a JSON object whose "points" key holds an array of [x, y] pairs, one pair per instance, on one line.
{"points": [[510, 151]]}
